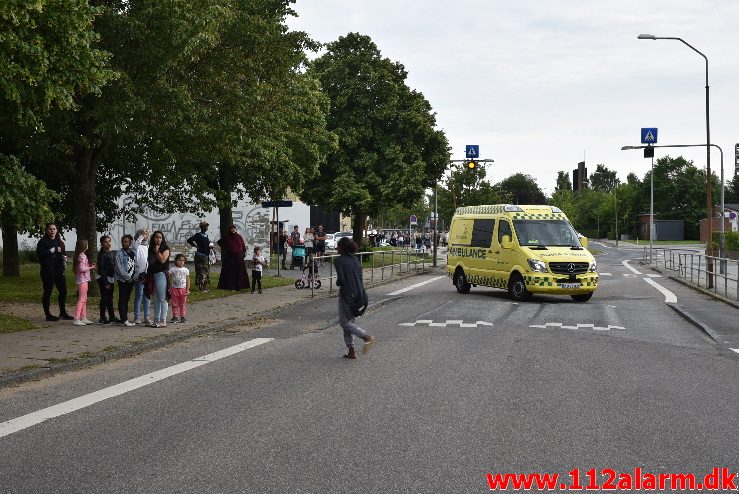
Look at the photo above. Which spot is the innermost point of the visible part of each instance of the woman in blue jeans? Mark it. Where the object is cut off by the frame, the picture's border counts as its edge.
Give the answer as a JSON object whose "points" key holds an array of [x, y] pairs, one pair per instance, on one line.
{"points": [[158, 270]]}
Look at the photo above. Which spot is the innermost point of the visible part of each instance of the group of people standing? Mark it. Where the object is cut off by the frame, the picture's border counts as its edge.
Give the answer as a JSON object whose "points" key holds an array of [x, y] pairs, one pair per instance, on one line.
{"points": [[313, 239], [141, 266]]}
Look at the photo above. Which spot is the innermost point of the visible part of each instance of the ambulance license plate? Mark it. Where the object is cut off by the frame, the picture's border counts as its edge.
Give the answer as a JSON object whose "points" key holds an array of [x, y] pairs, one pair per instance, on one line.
{"points": [[570, 285]]}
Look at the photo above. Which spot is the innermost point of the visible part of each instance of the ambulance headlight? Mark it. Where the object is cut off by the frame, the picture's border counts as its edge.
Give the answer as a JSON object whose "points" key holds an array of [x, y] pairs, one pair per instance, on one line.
{"points": [[594, 266], [538, 266]]}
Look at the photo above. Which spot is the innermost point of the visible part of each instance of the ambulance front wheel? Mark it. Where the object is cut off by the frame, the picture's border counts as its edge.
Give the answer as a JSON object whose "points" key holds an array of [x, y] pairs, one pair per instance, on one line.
{"points": [[583, 297], [517, 288], [461, 282]]}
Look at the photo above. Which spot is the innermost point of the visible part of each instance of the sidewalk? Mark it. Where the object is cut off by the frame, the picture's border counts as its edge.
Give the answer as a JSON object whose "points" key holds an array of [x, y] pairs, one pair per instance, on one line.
{"points": [[29, 355]]}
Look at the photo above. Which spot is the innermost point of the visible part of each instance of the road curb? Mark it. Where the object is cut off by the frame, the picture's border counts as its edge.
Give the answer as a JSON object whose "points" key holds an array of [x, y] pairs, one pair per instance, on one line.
{"points": [[708, 330], [15, 378], [698, 289]]}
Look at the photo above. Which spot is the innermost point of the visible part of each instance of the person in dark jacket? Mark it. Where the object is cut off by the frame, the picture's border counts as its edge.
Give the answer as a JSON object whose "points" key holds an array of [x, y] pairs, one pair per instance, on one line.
{"points": [[233, 252], [202, 256], [106, 280], [50, 253], [352, 295]]}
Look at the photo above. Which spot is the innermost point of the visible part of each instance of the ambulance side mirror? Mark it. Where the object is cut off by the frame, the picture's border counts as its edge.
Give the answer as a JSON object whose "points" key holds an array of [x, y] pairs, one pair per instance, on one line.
{"points": [[584, 242], [506, 243]]}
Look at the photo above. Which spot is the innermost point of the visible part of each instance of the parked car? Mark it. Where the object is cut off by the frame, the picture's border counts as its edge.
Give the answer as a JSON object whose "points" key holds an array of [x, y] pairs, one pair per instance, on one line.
{"points": [[330, 241], [339, 235]]}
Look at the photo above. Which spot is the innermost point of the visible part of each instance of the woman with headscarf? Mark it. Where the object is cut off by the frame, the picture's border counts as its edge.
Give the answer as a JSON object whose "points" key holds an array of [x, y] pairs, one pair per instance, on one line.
{"points": [[233, 253]]}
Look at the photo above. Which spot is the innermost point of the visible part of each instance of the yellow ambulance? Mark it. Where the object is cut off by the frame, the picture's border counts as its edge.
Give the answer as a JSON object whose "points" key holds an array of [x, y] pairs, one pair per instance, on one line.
{"points": [[522, 249]]}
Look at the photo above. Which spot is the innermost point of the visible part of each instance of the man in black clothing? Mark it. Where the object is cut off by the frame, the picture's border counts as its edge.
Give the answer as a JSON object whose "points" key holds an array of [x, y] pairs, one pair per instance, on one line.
{"points": [[50, 252], [202, 256]]}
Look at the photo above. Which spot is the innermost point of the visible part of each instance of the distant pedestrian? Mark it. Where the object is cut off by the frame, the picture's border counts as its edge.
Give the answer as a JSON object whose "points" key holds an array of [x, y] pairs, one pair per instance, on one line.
{"points": [[50, 253], [125, 264], [141, 243], [352, 295], [81, 267], [233, 252], [320, 247], [106, 280], [158, 278], [309, 241], [257, 263], [283, 246], [179, 282], [202, 256]]}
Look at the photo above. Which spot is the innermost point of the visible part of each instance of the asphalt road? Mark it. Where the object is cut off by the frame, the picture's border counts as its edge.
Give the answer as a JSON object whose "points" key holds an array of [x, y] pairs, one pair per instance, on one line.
{"points": [[456, 387]]}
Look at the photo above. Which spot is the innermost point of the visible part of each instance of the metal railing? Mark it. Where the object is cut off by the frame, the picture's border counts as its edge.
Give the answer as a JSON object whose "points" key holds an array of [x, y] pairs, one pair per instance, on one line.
{"points": [[692, 267], [380, 262]]}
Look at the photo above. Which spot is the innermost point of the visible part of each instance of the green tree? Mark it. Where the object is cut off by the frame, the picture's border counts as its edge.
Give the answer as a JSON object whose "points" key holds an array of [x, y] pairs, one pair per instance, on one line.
{"points": [[731, 190], [563, 182], [522, 189], [603, 179], [48, 59], [388, 147], [24, 206]]}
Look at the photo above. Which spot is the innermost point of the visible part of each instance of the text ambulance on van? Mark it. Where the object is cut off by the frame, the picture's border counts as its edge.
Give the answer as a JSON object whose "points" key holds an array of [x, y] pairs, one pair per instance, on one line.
{"points": [[522, 249]]}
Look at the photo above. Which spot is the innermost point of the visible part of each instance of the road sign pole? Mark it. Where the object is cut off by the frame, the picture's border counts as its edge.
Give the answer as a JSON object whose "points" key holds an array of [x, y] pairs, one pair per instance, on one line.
{"points": [[436, 222], [279, 247]]}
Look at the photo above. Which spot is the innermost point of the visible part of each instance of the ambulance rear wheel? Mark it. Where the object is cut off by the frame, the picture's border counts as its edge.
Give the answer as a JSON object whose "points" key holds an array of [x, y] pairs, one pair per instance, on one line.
{"points": [[517, 288], [462, 285], [583, 297]]}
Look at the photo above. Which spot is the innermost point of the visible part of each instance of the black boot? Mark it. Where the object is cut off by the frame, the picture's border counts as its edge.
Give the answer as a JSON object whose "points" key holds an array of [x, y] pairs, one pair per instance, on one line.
{"points": [[63, 314], [51, 317]]}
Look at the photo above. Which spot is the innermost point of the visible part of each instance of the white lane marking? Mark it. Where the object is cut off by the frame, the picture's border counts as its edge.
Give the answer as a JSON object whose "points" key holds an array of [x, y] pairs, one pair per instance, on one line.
{"points": [[669, 296], [449, 322], [735, 350], [652, 275], [409, 288], [605, 274], [629, 275], [35, 418], [579, 326], [625, 262]]}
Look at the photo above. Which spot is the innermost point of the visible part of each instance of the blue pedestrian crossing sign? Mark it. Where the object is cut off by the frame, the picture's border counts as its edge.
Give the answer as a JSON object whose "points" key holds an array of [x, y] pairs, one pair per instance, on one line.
{"points": [[649, 135], [472, 151]]}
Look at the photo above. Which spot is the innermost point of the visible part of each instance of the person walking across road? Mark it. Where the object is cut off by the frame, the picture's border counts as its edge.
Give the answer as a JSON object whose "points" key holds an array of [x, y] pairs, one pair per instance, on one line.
{"points": [[352, 296], [179, 282], [202, 256], [233, 250], [125, 264], [106, 281], [139, 276], [81, 267], [50, 253]]}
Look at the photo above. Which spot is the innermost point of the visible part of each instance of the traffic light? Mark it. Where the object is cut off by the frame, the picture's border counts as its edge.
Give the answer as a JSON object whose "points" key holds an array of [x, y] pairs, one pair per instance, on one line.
{"points": [[649, 152], [471, 164]]}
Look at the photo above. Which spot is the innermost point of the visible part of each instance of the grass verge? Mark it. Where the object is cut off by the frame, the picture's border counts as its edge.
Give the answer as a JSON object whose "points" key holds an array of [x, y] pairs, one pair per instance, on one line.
{"points": [[12, 324]]}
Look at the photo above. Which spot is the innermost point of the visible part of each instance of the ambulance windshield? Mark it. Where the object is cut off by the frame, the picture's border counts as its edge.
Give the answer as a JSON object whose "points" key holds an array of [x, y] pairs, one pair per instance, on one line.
{"points": [[549, 233]]}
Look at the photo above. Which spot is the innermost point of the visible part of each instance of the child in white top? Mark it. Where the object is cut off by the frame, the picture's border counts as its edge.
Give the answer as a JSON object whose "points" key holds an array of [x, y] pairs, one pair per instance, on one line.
{"points": [[179, 288], [256, 270]]}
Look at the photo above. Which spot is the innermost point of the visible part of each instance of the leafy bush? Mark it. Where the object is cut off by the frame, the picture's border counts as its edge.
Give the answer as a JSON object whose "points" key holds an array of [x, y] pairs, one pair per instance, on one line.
{"points": [[731, 240]]}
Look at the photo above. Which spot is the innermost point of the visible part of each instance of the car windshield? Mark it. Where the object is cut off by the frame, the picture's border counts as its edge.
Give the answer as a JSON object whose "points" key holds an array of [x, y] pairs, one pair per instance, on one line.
{"points": [[550, 233]]}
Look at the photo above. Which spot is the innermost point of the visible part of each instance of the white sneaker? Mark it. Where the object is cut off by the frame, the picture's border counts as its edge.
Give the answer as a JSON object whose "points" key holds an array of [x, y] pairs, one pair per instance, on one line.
{"points": [[137, 321], [128, 324], [78, 322], [86, 321]]}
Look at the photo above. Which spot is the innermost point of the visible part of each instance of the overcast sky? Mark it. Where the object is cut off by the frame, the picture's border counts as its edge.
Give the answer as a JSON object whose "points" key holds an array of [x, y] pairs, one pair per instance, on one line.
{"points": [[541, 84]]}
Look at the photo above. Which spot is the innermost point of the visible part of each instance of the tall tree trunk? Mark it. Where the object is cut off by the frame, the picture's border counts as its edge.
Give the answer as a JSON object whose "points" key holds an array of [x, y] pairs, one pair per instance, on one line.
{"points": [[359, 224], [225, 207], [84, 198], [11, 260]]}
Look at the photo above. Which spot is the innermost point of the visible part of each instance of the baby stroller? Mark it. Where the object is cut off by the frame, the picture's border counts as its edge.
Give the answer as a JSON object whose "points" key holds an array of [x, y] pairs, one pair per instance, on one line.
{"points": [[310, 275], [298, 257]]}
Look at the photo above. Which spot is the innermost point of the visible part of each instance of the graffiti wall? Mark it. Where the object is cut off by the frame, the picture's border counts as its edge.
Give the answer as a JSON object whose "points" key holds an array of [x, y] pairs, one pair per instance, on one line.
{"points": [[252, 221]]}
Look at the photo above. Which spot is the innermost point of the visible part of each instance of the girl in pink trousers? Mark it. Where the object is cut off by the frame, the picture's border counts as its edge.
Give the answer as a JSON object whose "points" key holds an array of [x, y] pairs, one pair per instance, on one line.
{"points": [[82, 269]]}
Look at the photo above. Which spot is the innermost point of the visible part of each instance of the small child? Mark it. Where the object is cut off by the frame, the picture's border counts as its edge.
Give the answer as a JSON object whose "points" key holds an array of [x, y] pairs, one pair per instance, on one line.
{"points": [[256, 269], [179, 280], [82, 269]]}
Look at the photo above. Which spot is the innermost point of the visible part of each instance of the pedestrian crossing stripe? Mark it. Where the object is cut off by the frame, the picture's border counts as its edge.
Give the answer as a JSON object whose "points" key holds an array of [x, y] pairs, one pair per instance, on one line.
{"points": [[449, 322], [578, 326]]}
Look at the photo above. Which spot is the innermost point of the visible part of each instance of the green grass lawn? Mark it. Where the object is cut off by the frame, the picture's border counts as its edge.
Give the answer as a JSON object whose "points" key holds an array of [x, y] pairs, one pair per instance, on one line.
{"points": [[11, 324], [27, 288]]}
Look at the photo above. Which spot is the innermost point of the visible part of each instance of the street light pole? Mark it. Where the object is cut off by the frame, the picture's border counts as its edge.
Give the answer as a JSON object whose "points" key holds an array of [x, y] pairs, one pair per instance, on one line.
{"points": [[709, 198], [651, 212]]}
